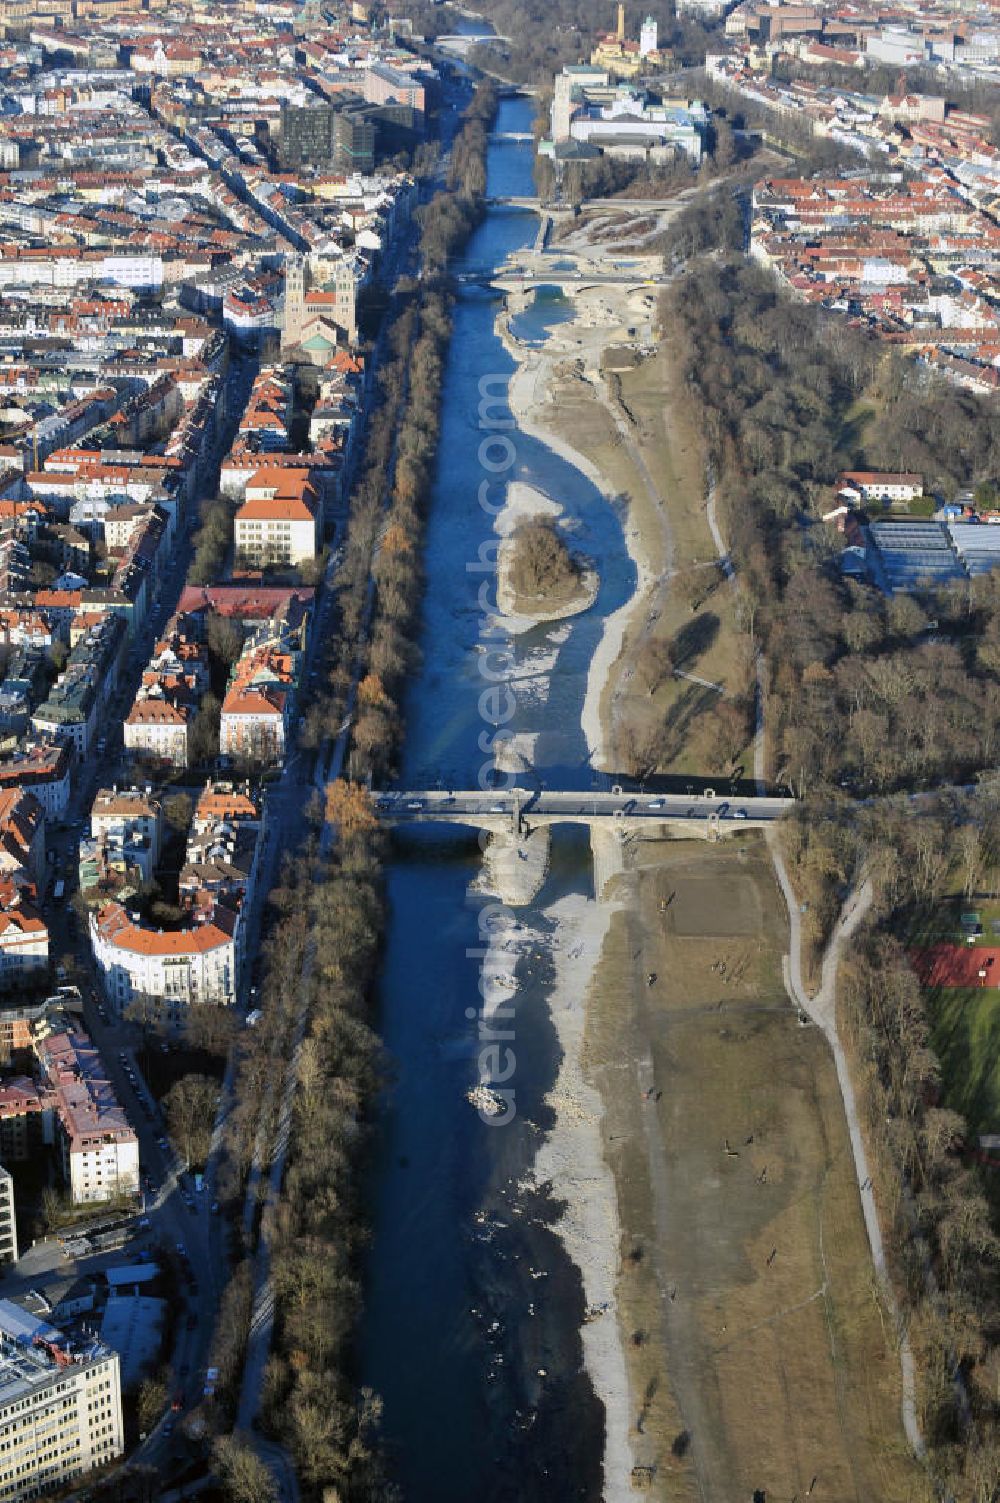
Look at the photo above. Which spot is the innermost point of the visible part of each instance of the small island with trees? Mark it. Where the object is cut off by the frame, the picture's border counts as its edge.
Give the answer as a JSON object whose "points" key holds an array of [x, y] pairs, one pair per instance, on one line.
{"points": [[539, 577]]}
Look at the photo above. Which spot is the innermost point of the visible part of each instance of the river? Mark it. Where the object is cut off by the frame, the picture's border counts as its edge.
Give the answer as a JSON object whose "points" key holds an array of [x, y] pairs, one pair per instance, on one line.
{"points": [[473, 1309]]}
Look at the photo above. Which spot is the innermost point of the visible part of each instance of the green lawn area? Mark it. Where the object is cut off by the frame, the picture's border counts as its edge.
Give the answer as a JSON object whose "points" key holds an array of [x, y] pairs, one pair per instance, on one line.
{"points": [[923, 506], [942, 923], [920, 506], [966, 1037], [854, 426]]}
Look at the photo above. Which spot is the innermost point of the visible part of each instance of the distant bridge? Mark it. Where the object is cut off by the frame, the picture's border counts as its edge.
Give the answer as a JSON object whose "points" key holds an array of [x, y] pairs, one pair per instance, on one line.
{"points": [[461, 46], [521, 810], [512, 135], [623, 205], [518, 281], [522, 281], [506, 202]]}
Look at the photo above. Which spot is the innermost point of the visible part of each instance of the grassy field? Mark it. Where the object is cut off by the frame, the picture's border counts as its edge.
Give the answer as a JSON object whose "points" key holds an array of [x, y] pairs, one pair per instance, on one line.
{"points": [[714, 649], [758, 1356], [942, 924], [966, 1037]]}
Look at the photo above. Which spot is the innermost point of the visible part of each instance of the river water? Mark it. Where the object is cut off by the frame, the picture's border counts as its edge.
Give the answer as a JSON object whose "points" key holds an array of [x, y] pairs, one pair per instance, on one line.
{"points": [[473, 1309]]}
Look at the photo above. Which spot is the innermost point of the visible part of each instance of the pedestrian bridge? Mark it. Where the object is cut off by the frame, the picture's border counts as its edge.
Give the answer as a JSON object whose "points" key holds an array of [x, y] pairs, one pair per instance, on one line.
{"points": [[520, 810]]}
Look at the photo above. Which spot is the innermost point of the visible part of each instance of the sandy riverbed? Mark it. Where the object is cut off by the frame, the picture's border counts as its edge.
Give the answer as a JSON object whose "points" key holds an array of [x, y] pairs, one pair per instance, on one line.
{"points": [[529, 396], [572, 1157]]}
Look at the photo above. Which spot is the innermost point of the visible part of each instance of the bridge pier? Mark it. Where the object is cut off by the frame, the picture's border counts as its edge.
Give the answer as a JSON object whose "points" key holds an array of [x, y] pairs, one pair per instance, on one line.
{"points": [[607, 849], [516, 863]]}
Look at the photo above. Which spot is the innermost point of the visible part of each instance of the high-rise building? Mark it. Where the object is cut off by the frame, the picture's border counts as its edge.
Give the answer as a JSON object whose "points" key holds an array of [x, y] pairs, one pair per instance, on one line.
{"points": [[354, 137], [8, 1225], [60, 1411], [307, 134]]}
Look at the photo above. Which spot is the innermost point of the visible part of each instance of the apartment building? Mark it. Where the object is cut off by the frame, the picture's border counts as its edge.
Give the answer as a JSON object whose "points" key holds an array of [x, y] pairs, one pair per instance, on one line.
{"points": [[24, 939], [253, 726], [385, 85], [60, 1409], [98, 1149], [199, 964], [24, 935], [27, 1127], [78, 696], [22, 835], [44, 768], [122, 852], [159, 727], [134, 817]]}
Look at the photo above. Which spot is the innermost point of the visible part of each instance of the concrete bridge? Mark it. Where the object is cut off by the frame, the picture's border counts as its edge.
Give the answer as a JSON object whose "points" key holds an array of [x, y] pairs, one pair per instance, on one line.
{"points": [[519, 811]]}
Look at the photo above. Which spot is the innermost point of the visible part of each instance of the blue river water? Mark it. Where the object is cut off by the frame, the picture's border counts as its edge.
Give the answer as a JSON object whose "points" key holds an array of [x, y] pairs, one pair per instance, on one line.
{"points": [[472, 1308]]}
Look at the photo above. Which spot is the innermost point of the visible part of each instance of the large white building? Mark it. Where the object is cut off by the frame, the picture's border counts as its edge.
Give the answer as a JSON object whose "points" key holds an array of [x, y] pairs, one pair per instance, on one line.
{"points": [[60, 1410], [278, 521], [620, 119], [176, 968]]}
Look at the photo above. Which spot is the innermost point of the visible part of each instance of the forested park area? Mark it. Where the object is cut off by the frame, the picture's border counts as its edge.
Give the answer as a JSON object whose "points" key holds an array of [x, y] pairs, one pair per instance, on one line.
{"points": [[879, 697], [873, 692]]}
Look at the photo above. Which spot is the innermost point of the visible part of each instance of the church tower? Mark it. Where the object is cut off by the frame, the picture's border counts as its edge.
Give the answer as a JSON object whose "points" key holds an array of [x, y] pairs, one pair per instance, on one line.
{"points": [[295, 300]]}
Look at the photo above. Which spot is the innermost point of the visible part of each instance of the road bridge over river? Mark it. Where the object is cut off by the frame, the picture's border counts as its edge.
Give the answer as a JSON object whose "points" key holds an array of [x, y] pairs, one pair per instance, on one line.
{"points": [[518, 811], [622, 205]]}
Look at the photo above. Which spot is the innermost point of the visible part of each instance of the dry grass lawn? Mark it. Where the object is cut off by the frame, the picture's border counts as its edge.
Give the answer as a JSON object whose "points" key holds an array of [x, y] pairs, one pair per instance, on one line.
{"points": [[676, 541], [758, 1356]]}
